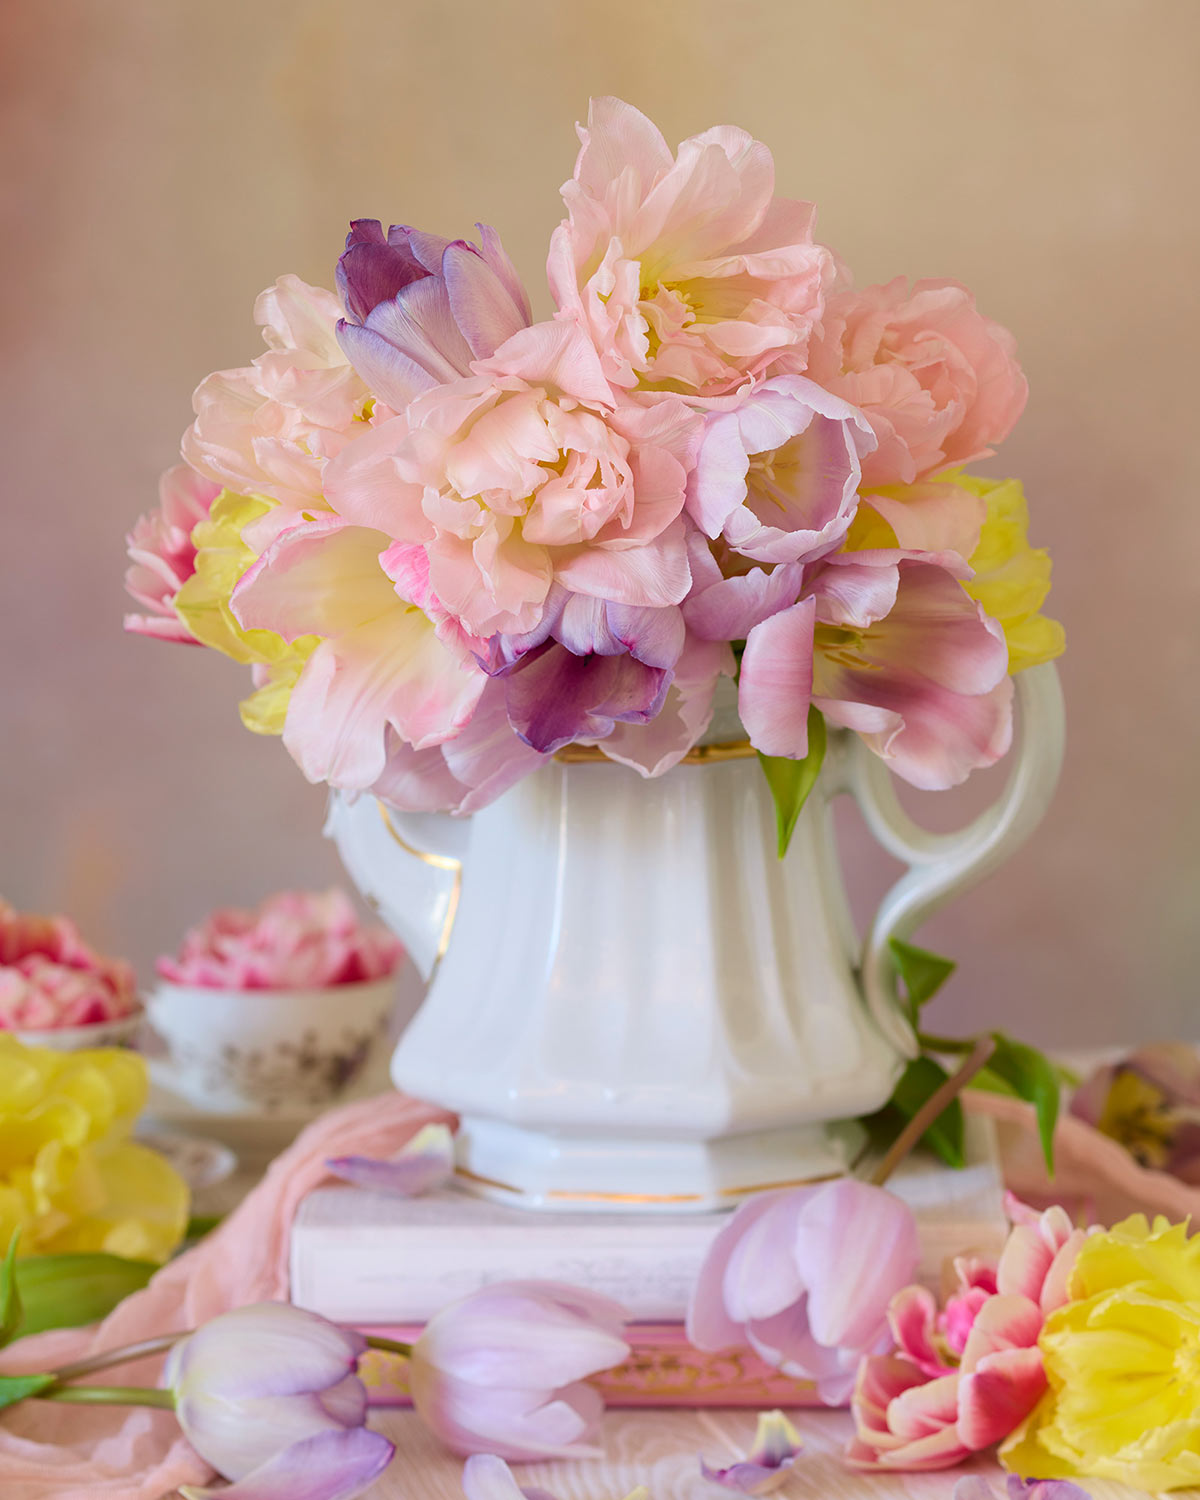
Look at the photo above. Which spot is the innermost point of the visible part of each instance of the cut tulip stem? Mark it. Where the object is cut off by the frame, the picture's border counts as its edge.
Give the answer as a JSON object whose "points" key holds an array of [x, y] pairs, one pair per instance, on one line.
{"points": [[122, 1356], [389, 1346], [110, 1395], [932, 1108]]}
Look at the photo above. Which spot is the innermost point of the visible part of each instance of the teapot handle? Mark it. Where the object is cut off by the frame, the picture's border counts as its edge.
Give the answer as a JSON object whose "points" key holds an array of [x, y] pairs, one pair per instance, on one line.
{"points": [[408, 866], [942, 864]]}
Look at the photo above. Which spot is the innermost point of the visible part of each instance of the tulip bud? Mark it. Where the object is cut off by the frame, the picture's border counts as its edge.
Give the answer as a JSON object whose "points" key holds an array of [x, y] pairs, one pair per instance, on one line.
{"points": [[269, 1396]]}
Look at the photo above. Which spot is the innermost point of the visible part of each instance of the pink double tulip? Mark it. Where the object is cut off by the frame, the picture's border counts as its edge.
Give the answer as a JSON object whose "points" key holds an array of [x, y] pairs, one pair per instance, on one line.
{"points": [[963, 1381], [162, 554], [938, 382], [684, 269]]}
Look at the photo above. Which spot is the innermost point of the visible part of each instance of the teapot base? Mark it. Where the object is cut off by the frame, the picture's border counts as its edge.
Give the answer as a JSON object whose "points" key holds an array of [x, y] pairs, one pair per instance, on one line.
{"points": [[556, 1170]]}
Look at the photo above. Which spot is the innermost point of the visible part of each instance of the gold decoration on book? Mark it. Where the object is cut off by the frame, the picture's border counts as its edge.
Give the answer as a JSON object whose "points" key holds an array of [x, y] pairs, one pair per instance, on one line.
{"points": [[698, 755], [438, 862], [560, 1195]]}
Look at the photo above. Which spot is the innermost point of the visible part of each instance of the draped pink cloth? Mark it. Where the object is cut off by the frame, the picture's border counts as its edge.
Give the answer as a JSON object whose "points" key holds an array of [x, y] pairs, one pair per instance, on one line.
{"points": [[50, 1452]]}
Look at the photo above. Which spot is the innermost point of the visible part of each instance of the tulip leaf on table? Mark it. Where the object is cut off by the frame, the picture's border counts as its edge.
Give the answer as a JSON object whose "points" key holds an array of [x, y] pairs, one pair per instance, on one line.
{"points": [[12, 1314], [792, 780], [14, 1388], [69, 1291]]}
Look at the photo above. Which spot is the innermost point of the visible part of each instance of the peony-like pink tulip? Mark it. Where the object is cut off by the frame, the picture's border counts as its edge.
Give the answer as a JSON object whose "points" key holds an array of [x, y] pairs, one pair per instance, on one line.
{"points": [[923, 1408], [504, 1370], [531, 472], [270, 427], [804, 1277], [294, 940], [685, 270], [50, 977], [938, 381], [270, 1397], [162, 554]]}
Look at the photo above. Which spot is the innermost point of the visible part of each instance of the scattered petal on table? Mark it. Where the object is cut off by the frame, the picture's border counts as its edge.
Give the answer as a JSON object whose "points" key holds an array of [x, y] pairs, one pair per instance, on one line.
{"points": [[424, 1164], [765, 1467]]}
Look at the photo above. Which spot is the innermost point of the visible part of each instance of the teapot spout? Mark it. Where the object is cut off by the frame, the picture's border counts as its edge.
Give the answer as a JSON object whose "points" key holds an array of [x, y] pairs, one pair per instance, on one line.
{"points": [[407, 867]]}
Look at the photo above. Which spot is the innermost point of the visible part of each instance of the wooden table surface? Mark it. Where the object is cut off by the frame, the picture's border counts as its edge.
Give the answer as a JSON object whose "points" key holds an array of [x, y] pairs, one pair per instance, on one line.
{"points": [[659, 1449]]}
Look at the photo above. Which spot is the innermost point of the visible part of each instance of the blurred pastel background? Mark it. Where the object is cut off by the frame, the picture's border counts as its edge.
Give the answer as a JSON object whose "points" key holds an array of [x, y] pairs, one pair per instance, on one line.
{"points": [[164, 160]]}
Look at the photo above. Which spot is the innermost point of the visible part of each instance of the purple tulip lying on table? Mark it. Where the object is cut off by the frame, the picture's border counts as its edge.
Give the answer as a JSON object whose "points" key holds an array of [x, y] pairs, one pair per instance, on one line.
{"points": [[269, 1395]]}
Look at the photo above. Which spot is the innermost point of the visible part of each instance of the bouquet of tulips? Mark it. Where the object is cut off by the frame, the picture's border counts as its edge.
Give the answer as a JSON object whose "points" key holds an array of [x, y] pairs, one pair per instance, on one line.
{"points": [[450, 540]]}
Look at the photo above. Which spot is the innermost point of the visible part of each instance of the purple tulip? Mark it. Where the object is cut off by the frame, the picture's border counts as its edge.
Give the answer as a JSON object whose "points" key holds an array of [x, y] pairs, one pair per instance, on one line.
{"points": [[804, 1278], [421, 308], [503, 1370], [777, 1445], [269, 1396]]}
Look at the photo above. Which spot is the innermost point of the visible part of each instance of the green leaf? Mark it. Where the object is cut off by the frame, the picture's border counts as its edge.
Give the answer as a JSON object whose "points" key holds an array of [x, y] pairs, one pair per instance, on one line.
{"points": [[12, 1314], [921, 1079], [922, 972], [1033, 1078], [792, 780], [68, 1291], [14, 1388]]}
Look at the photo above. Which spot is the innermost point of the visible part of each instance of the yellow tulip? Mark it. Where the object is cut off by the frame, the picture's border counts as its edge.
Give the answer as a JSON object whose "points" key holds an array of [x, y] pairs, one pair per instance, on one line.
{"points": [[1122, 1360], [222, 557], [70, 1178]]}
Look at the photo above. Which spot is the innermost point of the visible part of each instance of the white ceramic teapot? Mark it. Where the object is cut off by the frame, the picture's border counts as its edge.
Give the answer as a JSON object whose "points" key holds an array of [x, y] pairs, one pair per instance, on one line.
{"points": [[633, 1001]]}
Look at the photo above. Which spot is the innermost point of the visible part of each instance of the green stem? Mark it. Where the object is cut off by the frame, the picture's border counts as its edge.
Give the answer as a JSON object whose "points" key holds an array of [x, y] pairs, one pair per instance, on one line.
{"points": [[932, 1108], [389, 1346], [930, 1043], [110, 1395], [123, 1356]]}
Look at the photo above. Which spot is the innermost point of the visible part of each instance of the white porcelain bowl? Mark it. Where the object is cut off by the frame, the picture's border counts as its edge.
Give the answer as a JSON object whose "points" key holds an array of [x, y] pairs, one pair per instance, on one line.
{"points": [[119, 1033], [239, 1051]]}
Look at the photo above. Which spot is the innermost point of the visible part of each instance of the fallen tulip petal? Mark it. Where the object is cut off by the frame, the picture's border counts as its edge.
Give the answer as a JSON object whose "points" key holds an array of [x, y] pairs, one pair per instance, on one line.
{"points": [[776, 1447], [486, 1477], [330, 1466], [424, 1164]]}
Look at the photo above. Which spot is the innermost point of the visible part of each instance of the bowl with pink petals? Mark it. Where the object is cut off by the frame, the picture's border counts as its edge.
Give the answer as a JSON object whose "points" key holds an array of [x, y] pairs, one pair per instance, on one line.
{"points": [[278, 1007], [57, 991]]}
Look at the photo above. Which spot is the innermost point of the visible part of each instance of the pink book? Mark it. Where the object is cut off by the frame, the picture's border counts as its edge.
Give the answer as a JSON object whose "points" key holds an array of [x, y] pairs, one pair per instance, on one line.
{"points": [[663, 1370]]}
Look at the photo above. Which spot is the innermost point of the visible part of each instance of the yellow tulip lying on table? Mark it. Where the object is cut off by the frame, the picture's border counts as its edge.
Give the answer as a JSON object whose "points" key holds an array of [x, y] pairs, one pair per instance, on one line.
{"points": [[92, 1212]]}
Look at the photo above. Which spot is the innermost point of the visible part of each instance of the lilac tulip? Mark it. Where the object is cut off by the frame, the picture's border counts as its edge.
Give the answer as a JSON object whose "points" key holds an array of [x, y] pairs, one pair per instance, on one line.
{"points": [[425, 1163], [421, 308], [486, 1477], [269, 1396], [503, 1370], [804, 1278], [777, 1445]]}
